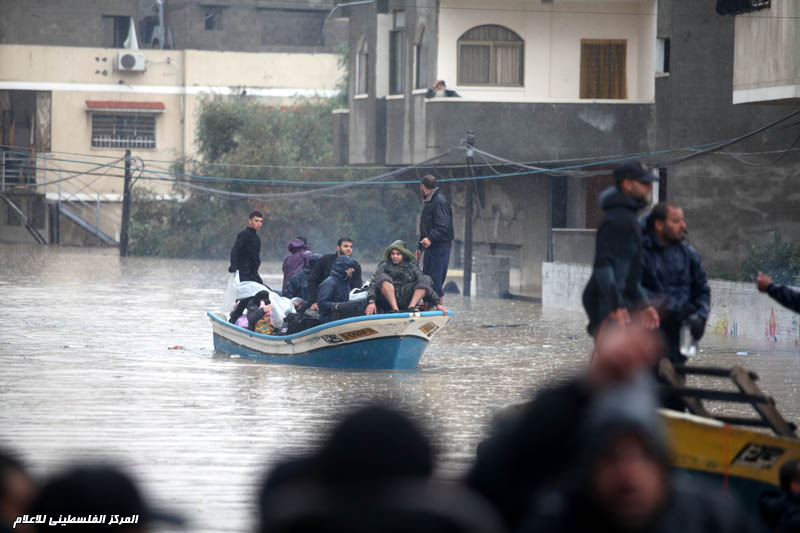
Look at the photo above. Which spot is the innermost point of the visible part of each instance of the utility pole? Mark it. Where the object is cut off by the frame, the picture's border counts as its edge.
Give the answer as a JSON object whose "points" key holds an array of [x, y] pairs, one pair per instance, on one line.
{"points": [[469, 141], [126, 207]]}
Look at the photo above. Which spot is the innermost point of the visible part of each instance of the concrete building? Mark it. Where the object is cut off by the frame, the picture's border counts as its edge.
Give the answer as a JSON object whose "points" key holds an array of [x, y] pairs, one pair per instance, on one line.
{"points": [[571, 81], [69, 92], [530, 91]]}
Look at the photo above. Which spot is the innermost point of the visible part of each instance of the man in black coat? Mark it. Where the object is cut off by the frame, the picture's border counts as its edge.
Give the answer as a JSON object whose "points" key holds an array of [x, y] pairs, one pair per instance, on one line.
{"points": [[246, 251], [780, 510], [435, 233], [673, 277], [323, 269], [782, 294], [614, 290]]}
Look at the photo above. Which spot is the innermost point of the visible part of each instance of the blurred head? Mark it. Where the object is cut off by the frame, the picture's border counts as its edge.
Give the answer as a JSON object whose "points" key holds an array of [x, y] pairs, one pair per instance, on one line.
{"points": [[440, 84], [624, 456], [255, 220], [667, 223], [375, 444], [86, 490], [629, 481], [16, 489], [790, 476], [344, 246]]}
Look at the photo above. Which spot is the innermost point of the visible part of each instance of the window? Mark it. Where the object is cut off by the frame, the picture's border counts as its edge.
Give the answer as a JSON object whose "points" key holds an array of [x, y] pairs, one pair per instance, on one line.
{"points": [[603, 69], [362, 68], [116, 30], [662, 56], [213, 19], [124, 130], [397, 53], [490, 55], [420, 60]]}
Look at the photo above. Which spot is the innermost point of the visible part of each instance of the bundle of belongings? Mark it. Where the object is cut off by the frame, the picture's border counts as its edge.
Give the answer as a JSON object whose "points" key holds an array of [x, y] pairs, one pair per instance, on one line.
{"points": [[260, 309]]}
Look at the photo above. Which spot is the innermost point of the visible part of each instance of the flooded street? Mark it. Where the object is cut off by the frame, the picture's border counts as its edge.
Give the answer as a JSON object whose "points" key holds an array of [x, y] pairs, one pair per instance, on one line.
{"points": [[111, 357]]}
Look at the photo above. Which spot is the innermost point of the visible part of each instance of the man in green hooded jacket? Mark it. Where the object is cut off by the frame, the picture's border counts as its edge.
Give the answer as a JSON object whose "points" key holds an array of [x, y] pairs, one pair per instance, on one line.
{"points": [[398, 281]]}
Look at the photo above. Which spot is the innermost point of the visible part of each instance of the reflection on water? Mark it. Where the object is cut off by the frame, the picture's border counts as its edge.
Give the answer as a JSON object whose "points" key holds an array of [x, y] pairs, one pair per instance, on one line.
{"points": [[113, 357]]}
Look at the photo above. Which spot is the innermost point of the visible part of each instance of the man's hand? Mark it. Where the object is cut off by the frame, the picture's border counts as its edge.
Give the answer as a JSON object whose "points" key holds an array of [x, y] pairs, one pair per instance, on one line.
{"points": [[315, 305], [425, 242], [297, 304], [763, 282], [441, 308], [371, 308], [697, 325], [622, 352], [418, 254], [620, 316], [649, 317]]}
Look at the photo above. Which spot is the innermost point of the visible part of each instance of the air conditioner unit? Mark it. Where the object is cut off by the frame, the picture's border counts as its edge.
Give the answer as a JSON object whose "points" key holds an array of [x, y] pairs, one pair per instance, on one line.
{"points": [[128, 61]]}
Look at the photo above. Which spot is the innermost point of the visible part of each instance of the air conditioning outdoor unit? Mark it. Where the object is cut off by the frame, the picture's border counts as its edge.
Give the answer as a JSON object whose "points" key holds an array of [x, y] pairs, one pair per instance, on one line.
{"points": [[131, 62]]}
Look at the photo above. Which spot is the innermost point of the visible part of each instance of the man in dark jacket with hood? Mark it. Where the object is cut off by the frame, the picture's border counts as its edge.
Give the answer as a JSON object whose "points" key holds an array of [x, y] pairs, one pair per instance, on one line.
{"points": [[435, 233], [782, 294], [298, 284], [673, 277], [322, 270], [246, 251], [335, 290], [614, 288]]}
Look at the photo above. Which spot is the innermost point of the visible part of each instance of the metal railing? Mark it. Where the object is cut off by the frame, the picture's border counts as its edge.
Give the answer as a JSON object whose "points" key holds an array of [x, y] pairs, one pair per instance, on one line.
{"points": [[90, 209]]}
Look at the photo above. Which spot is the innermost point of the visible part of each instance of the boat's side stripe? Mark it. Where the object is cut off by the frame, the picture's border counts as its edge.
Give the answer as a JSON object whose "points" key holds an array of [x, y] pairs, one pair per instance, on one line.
{"points": [[288, 355], [315, 329]]}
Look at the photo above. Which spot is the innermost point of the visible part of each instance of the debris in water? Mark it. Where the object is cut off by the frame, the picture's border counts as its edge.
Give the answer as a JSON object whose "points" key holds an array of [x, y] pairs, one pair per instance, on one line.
{"points": [[176, 347], [741, 353]]}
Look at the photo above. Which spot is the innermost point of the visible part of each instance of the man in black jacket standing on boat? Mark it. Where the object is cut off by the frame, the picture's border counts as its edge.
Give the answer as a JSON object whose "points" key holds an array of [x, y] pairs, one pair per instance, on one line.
{"points": [[435, 233], [246, 251], [787, 297], [614, 290]]}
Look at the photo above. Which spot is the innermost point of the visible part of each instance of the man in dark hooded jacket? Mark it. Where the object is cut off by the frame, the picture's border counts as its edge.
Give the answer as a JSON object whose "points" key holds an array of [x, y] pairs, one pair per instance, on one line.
{"points": [[298, 284], [673, 277], [780, 510], [335, 290], [614, 288]]}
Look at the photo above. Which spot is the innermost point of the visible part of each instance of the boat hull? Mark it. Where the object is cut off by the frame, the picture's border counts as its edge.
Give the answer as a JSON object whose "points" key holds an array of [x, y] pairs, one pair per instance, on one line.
{"points": [[741, 460], [377, 342]]}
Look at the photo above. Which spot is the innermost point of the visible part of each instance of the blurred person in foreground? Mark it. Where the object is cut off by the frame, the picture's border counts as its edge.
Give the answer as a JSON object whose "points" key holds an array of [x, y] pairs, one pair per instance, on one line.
{"points": [[589, 454], [614, 290], [17, 489], [373, 473], [780, 510], [99, 492], [786, 296], [674, 278]]}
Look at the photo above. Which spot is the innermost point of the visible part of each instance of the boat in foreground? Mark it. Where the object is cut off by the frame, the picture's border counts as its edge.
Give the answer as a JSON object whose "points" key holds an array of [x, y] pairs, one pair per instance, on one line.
{"points": [[378, 342]]}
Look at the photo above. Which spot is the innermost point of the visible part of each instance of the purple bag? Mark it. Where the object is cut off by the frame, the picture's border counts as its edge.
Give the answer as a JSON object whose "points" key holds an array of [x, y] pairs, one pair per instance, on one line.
{"points": [[242, 322]]}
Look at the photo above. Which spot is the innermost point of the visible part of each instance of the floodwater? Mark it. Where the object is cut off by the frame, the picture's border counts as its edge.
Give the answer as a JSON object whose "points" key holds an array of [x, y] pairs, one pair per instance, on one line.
{"points": [[103, 357]]}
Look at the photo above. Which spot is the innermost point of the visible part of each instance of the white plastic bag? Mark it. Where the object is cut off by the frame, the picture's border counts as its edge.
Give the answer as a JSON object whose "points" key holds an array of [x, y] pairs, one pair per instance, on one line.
{"points": [[359, 294], [230, 293], [281, 306]]}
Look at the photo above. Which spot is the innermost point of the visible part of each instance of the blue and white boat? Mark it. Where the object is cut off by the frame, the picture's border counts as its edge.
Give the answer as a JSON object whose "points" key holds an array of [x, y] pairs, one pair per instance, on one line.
{"points": [[378, 342]]}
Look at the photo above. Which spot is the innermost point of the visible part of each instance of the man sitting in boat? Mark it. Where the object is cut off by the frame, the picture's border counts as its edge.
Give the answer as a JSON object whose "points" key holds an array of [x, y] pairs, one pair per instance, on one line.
{"points": [[399, 282], [334, 293], [298, 284], [780, 510]]}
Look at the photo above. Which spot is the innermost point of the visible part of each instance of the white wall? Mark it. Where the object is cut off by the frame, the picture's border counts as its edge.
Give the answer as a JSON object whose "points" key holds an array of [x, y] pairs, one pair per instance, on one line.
{"points": [[737, 309], [552, 35]]}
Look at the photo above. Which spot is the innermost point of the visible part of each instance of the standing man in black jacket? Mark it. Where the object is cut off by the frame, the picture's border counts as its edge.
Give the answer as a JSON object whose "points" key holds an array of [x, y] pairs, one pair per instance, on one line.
{"points": [[614, 290], [246, 251], [435, 233]]}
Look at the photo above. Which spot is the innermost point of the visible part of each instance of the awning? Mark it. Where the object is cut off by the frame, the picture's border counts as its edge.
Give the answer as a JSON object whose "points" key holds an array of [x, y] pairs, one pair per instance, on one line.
{"points": [[118, 106]]}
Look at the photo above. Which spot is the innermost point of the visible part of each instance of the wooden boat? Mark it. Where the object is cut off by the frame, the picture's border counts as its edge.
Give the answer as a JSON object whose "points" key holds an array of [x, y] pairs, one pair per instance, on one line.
{"points": [[723, 449], [378, 342]]}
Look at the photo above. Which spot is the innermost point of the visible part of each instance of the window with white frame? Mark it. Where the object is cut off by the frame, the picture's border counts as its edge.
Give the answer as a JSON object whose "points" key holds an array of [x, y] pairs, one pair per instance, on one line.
{"points": [[397, 53], [490, 55], [124, 130], [362, 67]]}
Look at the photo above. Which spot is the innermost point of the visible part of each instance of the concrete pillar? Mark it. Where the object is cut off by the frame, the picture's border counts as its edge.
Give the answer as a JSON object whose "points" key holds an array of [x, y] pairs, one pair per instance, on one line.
{"points": [[492, 276]]}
